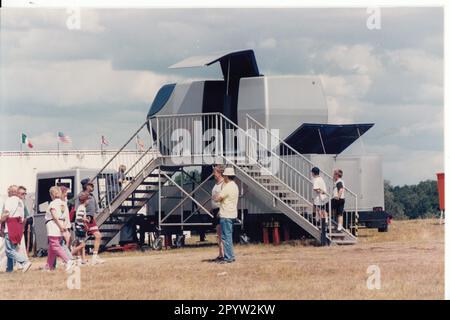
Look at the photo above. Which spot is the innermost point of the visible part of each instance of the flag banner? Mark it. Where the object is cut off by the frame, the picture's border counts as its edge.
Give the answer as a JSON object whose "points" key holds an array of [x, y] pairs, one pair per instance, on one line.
{"points": [[63, 138], [104, 141], [140, 143], [26, 141]]}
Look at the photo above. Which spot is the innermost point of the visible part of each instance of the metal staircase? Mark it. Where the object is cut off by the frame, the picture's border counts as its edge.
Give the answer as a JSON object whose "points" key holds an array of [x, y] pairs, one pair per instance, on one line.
{"points": [[168, 141]]}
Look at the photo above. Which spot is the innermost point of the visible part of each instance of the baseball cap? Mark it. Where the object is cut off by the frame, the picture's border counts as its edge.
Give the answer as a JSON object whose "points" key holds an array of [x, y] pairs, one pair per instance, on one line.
{"points": [[86, 181]]}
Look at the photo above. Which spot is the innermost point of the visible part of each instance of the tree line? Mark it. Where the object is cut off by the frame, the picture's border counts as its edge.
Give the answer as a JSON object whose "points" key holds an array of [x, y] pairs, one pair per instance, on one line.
{"points": [[412, 201]]}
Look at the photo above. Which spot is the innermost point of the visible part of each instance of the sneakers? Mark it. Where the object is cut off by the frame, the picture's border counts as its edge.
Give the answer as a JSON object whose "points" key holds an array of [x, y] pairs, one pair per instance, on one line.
{"points": [[96, 260], [340, 228], [26, 266], [223, 261]]}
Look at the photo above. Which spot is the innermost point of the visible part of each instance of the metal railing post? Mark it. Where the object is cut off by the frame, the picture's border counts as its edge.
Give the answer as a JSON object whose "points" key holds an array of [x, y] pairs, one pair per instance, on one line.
{"points": [[330, 221], [217, 138], [157, 135]]}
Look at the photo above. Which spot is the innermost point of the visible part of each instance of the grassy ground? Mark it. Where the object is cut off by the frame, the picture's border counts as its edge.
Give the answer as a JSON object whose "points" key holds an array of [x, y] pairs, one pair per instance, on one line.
{"points": [[410, 257]]}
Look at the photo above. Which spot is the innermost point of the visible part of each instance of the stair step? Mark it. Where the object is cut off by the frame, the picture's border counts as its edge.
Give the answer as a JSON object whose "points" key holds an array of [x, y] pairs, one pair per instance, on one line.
{"points": [[122, 215], [271, 184], [299, 205], [290, 199], [339, 235], [127, 209], [156, 175], [150, 183], [138, 199], [108, 222], [144, 191], [170, 168], [344, 241], [109, 230]]}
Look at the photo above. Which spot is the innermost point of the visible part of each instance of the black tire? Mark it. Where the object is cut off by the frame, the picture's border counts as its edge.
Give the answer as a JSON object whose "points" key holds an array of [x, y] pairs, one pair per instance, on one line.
{"points": [[158, 244], [383, 229]]}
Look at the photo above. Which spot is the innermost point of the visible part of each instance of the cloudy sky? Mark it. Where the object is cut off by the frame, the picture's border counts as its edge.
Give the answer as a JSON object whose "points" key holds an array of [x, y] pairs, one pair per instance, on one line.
{"points": [[101, 79]]}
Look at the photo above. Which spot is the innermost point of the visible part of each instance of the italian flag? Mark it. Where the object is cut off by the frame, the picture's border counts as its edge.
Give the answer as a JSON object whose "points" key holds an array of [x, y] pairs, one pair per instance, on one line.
{"points": [[26, 141]]}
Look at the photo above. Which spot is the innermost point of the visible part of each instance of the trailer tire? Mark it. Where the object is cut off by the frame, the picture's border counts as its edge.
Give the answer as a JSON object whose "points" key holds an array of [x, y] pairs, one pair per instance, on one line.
{"points": [[158, 244]]}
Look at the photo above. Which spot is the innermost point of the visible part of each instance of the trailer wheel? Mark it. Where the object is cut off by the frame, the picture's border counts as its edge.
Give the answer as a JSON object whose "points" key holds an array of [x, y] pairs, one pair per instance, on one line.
{"points": [[383, 228], [158, 244]]}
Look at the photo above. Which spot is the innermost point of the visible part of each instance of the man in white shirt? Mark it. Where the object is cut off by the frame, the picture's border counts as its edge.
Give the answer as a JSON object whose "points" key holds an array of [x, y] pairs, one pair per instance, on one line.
{"points": [[228, 199], [320, 200], [13, 208]]}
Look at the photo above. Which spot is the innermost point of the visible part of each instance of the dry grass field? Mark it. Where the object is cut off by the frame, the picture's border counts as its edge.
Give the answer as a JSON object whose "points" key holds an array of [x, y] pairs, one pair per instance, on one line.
{"points": [[410, 257]]}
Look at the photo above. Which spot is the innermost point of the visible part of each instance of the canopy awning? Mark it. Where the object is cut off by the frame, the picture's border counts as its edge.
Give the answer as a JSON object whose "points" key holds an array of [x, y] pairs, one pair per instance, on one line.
{"points": [[325, 138], [241, 63]]}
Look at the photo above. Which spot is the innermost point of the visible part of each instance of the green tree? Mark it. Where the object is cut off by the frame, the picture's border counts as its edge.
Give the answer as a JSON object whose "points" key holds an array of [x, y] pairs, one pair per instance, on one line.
{"points": [[393, 207], [412, 201]]}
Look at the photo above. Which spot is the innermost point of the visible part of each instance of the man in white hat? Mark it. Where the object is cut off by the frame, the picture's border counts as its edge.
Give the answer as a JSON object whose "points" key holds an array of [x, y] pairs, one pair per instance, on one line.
{"points": [[228, 201]]}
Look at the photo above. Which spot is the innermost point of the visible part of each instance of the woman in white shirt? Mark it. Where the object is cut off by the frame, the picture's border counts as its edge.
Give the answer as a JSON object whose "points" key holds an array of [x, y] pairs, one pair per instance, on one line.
{"points": [[54, 221], [65, 243]]}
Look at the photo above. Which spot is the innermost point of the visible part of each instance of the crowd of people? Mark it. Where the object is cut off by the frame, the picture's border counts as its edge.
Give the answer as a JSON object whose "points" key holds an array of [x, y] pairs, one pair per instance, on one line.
{"points": [[225, 196], [66, 236]]}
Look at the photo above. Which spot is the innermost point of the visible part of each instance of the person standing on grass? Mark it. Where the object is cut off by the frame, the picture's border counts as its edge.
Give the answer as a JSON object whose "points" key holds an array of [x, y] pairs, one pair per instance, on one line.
{"points": [[91, 212], [22, 193], [218, 177], [12, 219], [65, 242], [28, 229], [320, 202], [54, 221], [338, 201], [80, 229], [228, 198]]}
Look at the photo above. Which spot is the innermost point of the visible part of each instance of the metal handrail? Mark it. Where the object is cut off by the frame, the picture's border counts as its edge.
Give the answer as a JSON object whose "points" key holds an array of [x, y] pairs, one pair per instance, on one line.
{"points": [[123, 147], [276, 156], [301, 156], [294, 151], [288, 176]]}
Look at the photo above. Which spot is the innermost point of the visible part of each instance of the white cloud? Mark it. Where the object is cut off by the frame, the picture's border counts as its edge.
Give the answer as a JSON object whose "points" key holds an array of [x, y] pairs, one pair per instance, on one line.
{"points": [[358, 59], [419, 62], [404, 166], [80, 82], [269, 43]]}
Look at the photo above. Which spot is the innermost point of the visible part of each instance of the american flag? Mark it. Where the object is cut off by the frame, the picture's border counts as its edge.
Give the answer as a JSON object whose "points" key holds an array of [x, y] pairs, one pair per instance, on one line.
{"points": [[63, 138], [140, 143], [104, 141]]}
